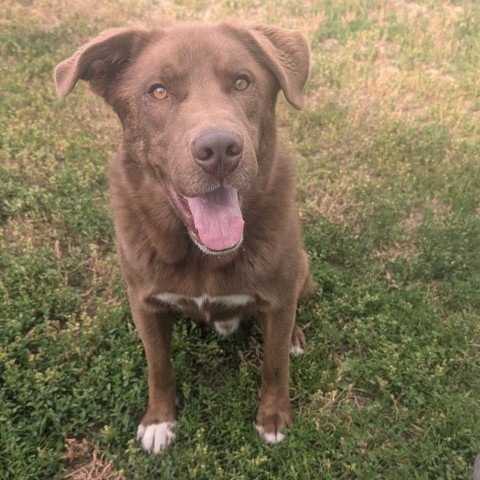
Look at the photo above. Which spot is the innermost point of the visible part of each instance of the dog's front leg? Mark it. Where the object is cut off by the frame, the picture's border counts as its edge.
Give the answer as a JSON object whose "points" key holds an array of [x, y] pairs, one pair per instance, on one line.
{"points": [[275, 411], [156, 430]]}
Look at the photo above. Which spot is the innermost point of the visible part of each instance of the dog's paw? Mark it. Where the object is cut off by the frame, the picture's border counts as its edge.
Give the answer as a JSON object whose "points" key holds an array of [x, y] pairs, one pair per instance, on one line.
{"points": [[297, 342], [271, 438], [156, 437], [296, 350], [270, 425]]}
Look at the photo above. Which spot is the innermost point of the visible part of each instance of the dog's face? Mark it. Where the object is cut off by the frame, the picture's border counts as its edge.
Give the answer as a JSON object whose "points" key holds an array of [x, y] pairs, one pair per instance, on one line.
{"points": [[194, 102]]}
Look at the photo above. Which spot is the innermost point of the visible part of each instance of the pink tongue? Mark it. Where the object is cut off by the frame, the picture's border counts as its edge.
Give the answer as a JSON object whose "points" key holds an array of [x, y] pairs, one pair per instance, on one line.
{"points": [[218, 218]]}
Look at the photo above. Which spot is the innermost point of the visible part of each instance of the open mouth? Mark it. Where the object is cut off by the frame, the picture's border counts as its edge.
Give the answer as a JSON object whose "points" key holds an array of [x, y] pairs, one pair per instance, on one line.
{"points": [[214, 219]]}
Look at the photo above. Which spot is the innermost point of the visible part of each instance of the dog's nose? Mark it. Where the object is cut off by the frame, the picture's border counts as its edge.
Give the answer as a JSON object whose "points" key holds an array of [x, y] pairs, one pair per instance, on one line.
{"points": [[218, 152]]}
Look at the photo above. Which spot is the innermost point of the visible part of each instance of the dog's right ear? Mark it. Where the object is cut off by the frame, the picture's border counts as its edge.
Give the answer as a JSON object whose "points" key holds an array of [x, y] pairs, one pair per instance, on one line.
{"points": [[101, 60]]}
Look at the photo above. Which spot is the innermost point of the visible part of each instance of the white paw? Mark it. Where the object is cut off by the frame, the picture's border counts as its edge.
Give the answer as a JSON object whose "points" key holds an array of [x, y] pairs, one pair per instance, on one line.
{"points": [[227, 327], [270, 438], [157, 436], [296, 350]]}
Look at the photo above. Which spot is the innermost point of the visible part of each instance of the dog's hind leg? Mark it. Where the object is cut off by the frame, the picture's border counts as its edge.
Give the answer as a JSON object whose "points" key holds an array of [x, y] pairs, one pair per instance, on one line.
{"points": [[298, 341], [307, 285], [307, 288]]}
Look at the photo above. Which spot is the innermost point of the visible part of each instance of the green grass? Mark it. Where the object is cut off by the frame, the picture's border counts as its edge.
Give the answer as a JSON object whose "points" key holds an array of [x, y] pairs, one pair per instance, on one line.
{"points": [[388, 180]]}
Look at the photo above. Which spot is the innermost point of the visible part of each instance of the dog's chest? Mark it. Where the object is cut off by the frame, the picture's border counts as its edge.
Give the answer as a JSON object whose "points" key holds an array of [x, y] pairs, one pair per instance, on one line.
{"points": [[207, 307]]}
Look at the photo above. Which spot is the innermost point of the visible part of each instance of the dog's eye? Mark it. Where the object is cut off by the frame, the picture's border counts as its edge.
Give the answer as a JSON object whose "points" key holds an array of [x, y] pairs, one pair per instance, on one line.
{"points": [[241, 84], [159, 92]]}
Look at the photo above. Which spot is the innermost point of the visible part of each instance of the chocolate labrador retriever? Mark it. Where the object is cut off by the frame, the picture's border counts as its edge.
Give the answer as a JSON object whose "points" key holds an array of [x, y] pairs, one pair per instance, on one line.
{"points": [[203, 196]]}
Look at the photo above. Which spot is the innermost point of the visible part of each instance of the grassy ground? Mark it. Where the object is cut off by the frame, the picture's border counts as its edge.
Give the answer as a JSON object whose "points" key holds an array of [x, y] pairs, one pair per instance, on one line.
{"points": [[389, 181]]}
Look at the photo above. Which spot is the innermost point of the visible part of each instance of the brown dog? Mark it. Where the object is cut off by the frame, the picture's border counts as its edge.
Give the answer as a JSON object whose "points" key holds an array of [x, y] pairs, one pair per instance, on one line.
{"points": [[203, 197]]}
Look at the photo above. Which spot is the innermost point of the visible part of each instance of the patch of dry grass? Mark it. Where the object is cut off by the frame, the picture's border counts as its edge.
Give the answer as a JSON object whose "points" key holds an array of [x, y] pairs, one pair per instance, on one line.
{"points": [[85, 462]]}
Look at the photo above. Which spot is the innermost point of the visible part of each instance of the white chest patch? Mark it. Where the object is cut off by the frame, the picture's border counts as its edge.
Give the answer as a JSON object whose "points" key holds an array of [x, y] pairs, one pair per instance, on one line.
{"points": [[177, 301]]}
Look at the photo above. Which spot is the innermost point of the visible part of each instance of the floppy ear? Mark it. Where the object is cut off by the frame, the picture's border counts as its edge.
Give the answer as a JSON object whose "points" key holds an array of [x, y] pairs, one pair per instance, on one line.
{"points": [[287, 55], [100, 60]]}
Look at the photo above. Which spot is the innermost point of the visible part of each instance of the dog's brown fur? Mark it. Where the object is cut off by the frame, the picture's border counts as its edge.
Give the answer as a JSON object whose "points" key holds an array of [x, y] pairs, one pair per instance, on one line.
{"points": [[199, 64]]}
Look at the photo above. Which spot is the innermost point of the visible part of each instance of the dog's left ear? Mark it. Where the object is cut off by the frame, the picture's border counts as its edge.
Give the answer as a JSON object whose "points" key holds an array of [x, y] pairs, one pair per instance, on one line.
{"points": [[286, 53], [100, 61]]}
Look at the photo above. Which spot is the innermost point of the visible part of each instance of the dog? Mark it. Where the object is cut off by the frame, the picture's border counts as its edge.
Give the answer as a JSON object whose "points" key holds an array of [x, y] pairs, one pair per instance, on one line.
{"points": [[203, 197]]}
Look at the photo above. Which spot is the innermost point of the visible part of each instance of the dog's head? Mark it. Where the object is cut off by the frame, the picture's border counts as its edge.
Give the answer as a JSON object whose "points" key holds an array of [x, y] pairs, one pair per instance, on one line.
{"points": [[197, 106]]}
